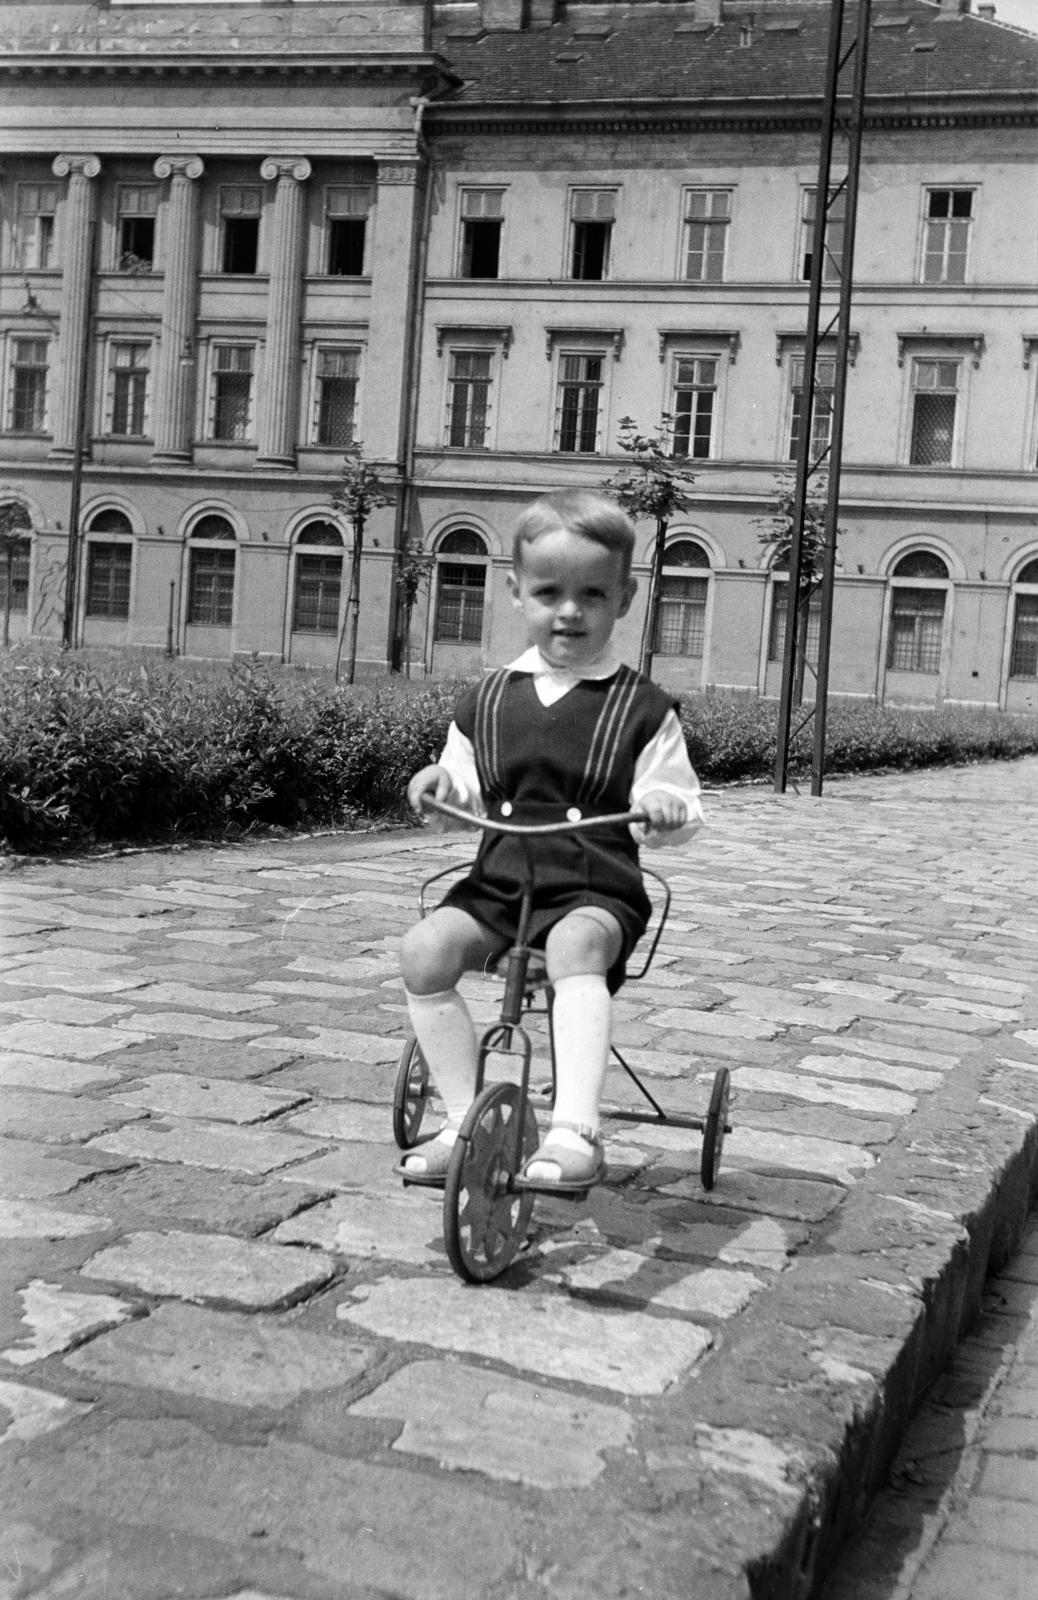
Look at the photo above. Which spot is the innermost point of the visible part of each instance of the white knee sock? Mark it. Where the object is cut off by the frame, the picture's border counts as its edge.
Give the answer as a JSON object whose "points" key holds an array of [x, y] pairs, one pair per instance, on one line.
{"points": [[443, 1028], [581, 1016]]}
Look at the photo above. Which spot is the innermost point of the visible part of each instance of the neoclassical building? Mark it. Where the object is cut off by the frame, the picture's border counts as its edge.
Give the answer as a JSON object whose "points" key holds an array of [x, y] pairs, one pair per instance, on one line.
{"points": [[474, 237]]}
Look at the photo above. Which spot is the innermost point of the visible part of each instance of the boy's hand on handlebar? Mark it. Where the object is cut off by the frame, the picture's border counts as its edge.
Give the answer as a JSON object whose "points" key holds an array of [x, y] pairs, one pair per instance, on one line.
{"points": [[664, 811], [435, 781]]}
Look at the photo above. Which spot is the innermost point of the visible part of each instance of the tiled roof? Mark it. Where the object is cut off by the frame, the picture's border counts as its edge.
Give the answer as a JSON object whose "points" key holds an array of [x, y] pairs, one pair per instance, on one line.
{"points": [[639, 53]]}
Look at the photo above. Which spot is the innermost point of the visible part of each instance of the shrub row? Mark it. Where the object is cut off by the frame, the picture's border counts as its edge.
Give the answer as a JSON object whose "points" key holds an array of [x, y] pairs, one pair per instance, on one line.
{"points": [[119, 753]]}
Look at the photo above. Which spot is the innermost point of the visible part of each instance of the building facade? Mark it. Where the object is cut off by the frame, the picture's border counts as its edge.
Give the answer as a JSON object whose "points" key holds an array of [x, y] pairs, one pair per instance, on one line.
{"points": [[475, 237]]}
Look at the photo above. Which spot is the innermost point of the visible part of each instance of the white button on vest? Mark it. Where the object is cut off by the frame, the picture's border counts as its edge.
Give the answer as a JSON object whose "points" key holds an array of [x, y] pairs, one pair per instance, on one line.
{"points": [[506, 808], [573, 814]]}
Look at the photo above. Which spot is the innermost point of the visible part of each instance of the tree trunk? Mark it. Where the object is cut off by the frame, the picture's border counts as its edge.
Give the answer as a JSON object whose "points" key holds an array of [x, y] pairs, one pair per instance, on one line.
{"points": [[7, 597], [652, 610]]}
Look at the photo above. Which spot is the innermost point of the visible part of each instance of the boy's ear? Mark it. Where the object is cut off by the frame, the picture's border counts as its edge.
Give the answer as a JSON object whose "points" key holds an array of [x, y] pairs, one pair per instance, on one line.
{"points": [[513, 587], [630, 590]]}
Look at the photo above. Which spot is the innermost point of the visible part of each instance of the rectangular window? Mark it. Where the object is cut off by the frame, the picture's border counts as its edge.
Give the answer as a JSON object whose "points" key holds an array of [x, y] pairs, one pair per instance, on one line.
{"points": [[834, 229], [231, 398], [482, 215], [592, 213], [346, 209], [777, 633], [916, 626], [946, 235], [935, 392], [28, 398], [37, 205], [318, 590], [822, 411], [240, 208], [578, 403], [14, 577], [1023, 662], [468, 399], [138, 205], [459, 603], [681, 628], [694, 405], [210, 601], [336, 397], [129, 370], [707, 215], [108, 580]]}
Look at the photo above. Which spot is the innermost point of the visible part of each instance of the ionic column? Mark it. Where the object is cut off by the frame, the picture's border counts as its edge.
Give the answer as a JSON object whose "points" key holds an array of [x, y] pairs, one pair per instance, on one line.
{"points": [[175, 368], [277, 443], [76, 292]]}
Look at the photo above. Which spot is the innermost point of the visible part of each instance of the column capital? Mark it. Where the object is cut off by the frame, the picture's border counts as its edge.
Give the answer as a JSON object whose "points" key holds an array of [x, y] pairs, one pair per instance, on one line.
{"points": [[297, 167], [397, 169], [179, 167], [85, 166]]}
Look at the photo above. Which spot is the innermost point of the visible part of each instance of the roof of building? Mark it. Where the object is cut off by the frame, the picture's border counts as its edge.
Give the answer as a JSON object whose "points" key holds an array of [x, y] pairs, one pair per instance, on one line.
{"points": [[613, 54]]}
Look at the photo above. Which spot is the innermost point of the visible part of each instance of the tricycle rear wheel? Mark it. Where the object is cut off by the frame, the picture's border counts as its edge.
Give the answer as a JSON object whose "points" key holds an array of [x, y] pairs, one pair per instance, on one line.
{"points": [[715, 1126]]}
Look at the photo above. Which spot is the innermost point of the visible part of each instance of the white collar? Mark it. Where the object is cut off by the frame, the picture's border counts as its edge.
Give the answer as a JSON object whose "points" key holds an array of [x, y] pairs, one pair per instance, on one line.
{"points": [[532, 661]]}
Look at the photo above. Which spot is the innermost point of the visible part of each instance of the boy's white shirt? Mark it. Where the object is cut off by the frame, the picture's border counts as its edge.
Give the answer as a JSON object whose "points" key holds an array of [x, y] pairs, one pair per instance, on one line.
{"points": [[662, 765]]}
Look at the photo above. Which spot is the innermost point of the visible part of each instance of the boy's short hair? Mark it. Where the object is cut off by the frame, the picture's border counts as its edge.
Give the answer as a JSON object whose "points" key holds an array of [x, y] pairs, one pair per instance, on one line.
{"points": [[581, 511]]}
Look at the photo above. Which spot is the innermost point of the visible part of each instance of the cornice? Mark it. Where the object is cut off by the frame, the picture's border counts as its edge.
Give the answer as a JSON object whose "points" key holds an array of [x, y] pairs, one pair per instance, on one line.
{"points": [[219, 64]]}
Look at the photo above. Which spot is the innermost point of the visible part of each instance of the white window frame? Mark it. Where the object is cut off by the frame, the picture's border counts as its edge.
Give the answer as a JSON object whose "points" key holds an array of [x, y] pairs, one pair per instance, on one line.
{"points": [[93, 540], [233, 201], [797, 361], [456, 558], [926, 220], [146, 206], [915, 365], [710, 222], [492, 354], [14, 339], [591, 203], [36, 246], [319, 350], [702, 574], [480, 203], [697, 354], [565, 353], [212, 374], [351, 202], [806, 232], [946, 586], [112, 368]]}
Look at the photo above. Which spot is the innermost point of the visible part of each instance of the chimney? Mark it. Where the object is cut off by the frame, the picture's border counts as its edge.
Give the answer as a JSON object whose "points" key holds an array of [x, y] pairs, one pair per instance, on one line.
{"points": [[955, 8], [986, 11], [710, 11], [503, 16]]}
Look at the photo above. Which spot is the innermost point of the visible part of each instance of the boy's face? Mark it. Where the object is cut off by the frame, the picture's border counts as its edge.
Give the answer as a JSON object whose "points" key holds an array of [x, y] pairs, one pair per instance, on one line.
{"points": [[571, 592]]}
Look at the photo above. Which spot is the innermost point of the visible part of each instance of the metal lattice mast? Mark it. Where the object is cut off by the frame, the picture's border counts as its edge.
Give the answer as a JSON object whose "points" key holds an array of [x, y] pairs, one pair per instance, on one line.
{"points": [[848, 52]]}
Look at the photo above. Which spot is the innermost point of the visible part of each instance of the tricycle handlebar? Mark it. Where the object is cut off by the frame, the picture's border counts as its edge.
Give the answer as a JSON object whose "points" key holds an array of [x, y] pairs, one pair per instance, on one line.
{"points": [[531, 829]]}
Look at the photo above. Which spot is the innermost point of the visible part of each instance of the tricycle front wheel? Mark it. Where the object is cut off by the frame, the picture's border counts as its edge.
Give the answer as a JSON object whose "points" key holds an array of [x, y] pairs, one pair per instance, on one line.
{"points": [[484, 1219], [715, 1126], [411, 1094]]}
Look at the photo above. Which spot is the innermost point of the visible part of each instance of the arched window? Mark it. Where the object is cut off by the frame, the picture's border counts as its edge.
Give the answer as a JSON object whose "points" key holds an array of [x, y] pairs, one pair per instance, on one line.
{"points": [[15, 550], [917, 603], [318, 585], [684, 580], [779, 612], [109, 564], [1023, 659], [460, 588], [210, 594]]}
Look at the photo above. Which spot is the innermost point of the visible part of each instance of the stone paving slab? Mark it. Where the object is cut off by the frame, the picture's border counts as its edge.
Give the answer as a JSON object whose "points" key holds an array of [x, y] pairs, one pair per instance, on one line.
{"points": [[249, 1368]]}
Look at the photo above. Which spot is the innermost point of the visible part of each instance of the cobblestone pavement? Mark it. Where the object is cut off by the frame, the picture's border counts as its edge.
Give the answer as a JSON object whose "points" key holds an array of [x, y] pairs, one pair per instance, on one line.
{"points": [[959, 1519], [235, 1361]]}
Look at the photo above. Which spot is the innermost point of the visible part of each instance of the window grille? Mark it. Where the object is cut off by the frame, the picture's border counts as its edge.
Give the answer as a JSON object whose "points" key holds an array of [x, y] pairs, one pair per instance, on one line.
{"points": [[14, 563], [459, 603], [935, 385], [211, 588], [108, 579], [232, 392], [336, 397], [468, 399], [318, 592], [916, 627], [578, 403]]}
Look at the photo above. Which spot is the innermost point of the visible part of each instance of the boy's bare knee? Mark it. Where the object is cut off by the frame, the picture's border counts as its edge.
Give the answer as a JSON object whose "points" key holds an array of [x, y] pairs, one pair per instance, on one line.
{"points": [[585, 941], [427, 962]]}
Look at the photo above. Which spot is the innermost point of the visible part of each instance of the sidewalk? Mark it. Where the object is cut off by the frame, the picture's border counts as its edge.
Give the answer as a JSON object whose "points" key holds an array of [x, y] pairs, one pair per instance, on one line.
{"points": [[235, 1361]]}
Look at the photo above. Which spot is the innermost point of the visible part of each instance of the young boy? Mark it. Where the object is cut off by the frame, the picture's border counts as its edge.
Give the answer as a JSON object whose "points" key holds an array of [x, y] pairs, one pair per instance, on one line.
{"points": [[566, 730]]}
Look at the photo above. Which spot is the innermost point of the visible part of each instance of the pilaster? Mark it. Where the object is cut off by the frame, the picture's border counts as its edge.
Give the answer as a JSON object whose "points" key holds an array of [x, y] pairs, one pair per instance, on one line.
{"points": [[76, 294], [277, 444], [385, 399], [175, 368]]}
